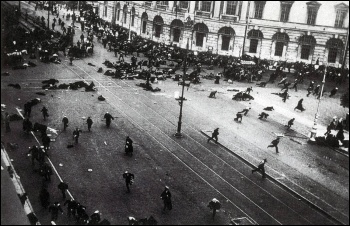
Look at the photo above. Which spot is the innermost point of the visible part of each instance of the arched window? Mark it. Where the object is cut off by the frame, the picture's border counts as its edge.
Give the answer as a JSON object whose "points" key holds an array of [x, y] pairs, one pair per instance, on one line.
{"points": [[132, 16], [125, 13], [176, 27], [334, 46], [254, 36], [281, 40], [226, 34], [118, 11], [201, 31], [307, 43], [158, 25], [144, 19]]}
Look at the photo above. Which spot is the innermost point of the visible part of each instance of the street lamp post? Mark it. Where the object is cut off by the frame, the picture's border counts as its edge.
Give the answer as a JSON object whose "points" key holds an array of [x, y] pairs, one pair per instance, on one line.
{"points": [[129, 27], [314, 128], [178, 134]]}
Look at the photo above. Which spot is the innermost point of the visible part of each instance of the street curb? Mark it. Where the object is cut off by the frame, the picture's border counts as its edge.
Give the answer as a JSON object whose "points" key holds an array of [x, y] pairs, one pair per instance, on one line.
{"points": [[28, 209], [280, 184]]}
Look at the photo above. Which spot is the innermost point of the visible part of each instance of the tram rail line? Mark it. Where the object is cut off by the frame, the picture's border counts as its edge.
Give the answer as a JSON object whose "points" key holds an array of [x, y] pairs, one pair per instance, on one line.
{"points": [[283, 186], [106, 88]]}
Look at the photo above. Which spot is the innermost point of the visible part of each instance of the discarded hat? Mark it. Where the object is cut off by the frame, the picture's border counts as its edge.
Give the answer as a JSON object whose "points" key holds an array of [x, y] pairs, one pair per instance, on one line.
{"points": [[126, 171], [96, 211], [166, 187]]}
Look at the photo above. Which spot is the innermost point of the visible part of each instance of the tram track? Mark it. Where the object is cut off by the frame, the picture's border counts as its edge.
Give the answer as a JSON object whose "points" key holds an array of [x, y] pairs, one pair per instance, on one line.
{"points": [[106, 89], [191, 126]]}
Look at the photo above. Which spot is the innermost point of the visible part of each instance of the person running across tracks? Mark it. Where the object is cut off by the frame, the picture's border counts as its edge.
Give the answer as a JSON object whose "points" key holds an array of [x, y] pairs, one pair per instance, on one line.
{"points": [[214, 135], [261, 167], [275, 143]]}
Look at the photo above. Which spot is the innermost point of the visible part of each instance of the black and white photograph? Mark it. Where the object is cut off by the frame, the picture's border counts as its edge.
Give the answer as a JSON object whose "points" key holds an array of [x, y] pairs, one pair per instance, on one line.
{"points": [[175, 113]]}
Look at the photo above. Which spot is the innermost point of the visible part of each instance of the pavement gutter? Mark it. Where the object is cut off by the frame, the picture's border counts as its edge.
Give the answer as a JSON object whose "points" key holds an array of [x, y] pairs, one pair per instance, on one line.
{"points": [[28, 209]]}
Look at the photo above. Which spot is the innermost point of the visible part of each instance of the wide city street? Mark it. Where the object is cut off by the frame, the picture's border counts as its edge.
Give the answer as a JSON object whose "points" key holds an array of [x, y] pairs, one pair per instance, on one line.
{"points": [[305, 183]]}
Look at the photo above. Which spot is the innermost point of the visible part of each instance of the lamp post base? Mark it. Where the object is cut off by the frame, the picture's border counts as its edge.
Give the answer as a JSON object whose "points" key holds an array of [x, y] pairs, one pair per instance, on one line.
{"points": [[178, 135]]}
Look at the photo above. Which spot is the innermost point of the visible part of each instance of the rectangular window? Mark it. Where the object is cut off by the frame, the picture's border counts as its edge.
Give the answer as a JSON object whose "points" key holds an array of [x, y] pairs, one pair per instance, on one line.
{"points": [[259, 7], [158, 29], [311, 16], [105, 10], [162, 2], [125, 14], [177, 33], [206, 6], [132, 20], [285, 9], [305, 52], [199, 39], [253, 45], [339, 18], [231, 7], [183, 4], [279, 48], [118, 15], [144, 24], [225, 42], [332, 55]]}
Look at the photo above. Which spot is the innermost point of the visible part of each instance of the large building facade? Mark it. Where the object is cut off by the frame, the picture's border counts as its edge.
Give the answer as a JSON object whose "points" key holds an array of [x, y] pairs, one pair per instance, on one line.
{"points": [[274, 30]]}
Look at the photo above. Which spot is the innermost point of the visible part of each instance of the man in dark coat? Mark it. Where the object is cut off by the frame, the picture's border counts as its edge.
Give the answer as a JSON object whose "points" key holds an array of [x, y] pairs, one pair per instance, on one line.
{"points": [[300, 105], [95, 218], [89, 123], [214, 204], [108, 118], [334, 91], [27, 125], [63, 187], [46, 142], [261, 167], [71, 207], [54, 210], [128, 146], [274, 143], [290, 123], [45, 112], [166, 197], [65, 122], [214, 135], [76, 134], [129, 177], [44, 198], [46, 171]]}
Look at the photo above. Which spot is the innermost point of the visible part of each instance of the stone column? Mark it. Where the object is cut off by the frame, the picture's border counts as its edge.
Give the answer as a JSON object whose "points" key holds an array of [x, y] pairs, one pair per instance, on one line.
{"points": [[192, 6], [217, 9]]}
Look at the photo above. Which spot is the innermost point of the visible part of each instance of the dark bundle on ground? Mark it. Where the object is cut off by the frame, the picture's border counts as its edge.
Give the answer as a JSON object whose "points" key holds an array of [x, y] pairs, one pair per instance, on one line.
{"points": [[34, 101], [40, 93], [269, 108], [50, 81], [31, 64], [101, 98], [16, 86], [78, 84], [15, 117], [63, 86], [19, 67], [91, 64], [109, 73], [100, 70], [70, 145]]}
